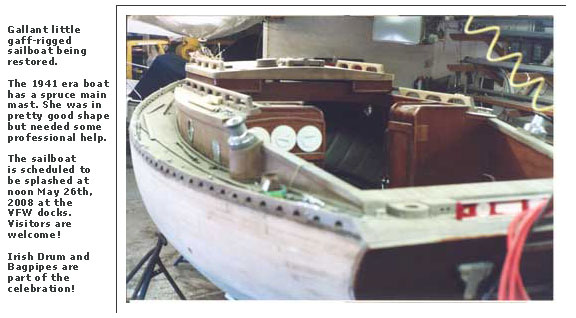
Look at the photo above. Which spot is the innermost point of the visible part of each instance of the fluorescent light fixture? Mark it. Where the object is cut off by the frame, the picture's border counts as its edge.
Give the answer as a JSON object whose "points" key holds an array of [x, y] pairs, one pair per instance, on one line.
{"points": [[398, 29]]}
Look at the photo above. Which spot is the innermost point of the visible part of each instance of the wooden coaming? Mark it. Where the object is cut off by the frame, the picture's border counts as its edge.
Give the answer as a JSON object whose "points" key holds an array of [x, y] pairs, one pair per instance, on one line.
{"points": [[208, 126], [435, 144]]}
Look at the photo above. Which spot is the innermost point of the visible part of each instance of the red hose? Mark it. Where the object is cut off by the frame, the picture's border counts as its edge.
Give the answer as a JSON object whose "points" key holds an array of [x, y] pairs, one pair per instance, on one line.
{"points": [[511, 284]]}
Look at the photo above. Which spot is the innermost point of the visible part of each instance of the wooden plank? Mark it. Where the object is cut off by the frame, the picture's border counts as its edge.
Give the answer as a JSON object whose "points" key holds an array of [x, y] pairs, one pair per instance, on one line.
{"points": [[248, 70], [545, 70], [261, 90], [507, 103], [513, 160], [461, 68], [524, 77], [400, 139], [371, 86]]}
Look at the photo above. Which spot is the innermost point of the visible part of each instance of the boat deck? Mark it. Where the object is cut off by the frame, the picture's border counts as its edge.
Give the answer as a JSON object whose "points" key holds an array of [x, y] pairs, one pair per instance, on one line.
{"points": [[154, 132], [227, 229]]}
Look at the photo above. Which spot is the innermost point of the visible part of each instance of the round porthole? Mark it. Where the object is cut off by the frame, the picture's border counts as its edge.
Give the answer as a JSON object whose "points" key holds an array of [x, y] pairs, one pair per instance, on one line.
{"points": [[261, 133], [309, 138], [283, 137]]}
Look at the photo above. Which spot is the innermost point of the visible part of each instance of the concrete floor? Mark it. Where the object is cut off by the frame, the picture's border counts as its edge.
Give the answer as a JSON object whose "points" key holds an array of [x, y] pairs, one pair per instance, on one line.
{"points": [[140, 238]]}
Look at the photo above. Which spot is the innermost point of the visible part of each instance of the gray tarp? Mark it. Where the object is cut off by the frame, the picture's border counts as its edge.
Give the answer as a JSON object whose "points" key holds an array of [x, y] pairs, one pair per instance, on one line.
{"points": [[206, 27]]}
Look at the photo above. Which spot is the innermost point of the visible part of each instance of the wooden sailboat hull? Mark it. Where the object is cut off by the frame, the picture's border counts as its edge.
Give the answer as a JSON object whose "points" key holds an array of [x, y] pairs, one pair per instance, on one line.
{"points": [[365, 244], [245, 252]]}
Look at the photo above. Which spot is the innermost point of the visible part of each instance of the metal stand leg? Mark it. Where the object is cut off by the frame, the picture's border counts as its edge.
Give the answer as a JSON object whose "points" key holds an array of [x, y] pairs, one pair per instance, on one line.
{"points": [[179, 260], [153, 259]]}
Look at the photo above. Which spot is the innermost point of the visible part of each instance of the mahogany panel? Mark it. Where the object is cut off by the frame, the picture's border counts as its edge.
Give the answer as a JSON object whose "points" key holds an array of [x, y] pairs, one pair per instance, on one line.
{"points": [[243, 86], [371, 86], [295, 116], [432, 145], [513, 160], [365, 92], [317, 91], [400, 140], [205, 134], [445, 145]]}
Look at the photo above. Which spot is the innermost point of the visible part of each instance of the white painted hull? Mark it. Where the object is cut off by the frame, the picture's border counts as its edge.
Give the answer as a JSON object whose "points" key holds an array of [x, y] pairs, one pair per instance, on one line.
{"points": [[248, 253]]}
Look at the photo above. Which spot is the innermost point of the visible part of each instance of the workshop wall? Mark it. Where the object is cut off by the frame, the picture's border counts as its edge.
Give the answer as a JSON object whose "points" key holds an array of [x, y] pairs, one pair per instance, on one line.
{"points": [[351, 37]]}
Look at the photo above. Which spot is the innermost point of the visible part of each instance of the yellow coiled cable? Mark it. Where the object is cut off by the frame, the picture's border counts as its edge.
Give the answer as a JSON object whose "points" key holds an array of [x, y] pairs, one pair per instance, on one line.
{"points": [[540, 80]]}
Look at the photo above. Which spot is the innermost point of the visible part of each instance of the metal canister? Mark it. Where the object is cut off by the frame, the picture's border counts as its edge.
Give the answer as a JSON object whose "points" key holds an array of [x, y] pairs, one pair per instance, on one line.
{"points": [[246, 159]]}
